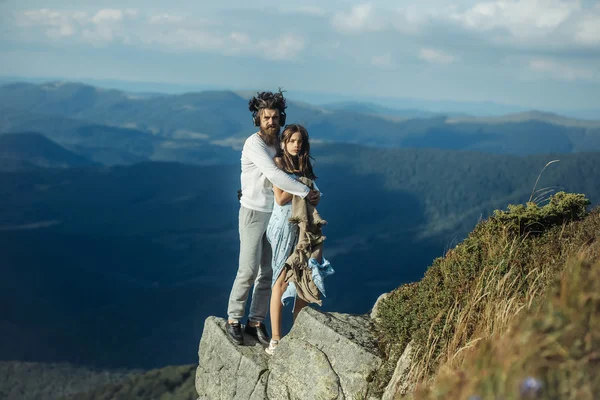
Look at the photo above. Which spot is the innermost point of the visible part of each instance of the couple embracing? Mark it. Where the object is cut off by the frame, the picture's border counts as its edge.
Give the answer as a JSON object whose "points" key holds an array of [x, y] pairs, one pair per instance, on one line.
{"points": [[279, 227]]}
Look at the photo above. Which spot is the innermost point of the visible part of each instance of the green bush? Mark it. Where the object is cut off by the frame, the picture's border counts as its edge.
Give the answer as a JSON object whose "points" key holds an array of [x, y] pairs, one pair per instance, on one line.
{"points": [[533, 219], [519, 239]]}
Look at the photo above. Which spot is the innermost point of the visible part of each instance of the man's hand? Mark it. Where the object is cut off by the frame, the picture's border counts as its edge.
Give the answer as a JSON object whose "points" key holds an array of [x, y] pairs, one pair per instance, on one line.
{"points": [[313, 197]]}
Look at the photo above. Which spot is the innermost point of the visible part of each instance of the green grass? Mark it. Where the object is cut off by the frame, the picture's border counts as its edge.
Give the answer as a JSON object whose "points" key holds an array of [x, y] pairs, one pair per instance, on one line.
{"points": [[479, 288], [556, 346]]}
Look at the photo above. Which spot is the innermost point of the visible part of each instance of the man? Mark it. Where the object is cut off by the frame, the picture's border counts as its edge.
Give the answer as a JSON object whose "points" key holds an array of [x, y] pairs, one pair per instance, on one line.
{"points": [[259, 173]]}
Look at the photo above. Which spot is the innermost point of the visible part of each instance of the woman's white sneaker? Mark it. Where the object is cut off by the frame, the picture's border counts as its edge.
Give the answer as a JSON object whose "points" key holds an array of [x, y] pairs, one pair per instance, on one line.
{"points": [[272, 346]]}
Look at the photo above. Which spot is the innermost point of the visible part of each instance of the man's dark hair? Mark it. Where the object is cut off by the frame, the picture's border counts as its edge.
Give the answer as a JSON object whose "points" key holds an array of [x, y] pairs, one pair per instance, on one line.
{"points": [[270, 100]]}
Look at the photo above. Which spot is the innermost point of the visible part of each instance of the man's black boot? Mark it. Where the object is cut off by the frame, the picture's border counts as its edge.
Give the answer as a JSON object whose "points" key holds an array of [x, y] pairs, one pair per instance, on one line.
{"points": [[259, 332], [234, 331]]}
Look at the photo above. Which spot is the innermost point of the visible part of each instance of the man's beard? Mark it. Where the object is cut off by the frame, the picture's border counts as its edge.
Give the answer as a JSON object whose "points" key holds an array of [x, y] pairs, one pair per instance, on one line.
{"points": [[270, 135]]}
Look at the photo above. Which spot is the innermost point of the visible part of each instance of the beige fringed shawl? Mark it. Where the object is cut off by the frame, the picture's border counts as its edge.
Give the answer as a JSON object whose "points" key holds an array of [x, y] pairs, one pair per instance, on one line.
{"points": [[310, 244]]}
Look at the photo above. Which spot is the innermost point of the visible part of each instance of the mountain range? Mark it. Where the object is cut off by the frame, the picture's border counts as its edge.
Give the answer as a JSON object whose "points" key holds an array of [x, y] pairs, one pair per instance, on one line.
{"points": [[118, 213], [114, 127], [325, 99], [26, 149]]}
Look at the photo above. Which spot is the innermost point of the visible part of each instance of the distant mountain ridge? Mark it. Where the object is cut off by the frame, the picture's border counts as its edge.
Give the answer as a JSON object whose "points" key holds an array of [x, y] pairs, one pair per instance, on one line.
{"points": [[321, 99], [533, 115], [209, 127], [75, 97], [35, 149], [377, 109]]}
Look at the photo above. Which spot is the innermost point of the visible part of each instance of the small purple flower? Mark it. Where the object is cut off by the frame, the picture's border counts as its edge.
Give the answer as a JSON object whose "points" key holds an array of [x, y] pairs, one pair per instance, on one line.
{"points": [[530, 386]]}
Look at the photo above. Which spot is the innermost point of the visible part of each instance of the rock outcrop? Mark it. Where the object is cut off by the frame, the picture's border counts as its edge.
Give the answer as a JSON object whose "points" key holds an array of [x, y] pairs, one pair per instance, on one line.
{"points": [[398, 385], [375, 310], [327, 356]]}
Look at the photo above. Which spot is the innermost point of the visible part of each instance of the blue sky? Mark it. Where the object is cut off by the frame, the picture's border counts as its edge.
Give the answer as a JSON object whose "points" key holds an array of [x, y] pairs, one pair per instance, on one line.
{"points": [[536, 53]]}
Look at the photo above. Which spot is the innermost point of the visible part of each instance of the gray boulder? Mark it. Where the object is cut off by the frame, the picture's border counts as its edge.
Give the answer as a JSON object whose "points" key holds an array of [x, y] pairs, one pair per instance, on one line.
{"points": [[325, 356], [375, 310], [228, 371], [334, 356], [399, 385]]}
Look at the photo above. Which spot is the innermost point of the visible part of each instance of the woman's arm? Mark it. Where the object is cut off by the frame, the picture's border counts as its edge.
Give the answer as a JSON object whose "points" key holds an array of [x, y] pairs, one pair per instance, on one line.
{"points": [[281, 197]]}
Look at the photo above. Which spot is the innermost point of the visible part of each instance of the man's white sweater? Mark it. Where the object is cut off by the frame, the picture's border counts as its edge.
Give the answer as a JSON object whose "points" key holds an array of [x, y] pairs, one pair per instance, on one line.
{"points": [[259, 173]]}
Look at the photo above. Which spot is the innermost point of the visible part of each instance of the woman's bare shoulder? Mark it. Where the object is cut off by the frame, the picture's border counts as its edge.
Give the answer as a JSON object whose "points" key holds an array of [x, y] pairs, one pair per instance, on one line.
{"points": [[279, 162]]}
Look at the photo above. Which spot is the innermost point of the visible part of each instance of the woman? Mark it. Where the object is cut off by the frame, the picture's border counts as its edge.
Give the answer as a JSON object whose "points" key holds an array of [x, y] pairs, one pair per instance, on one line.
{"points": [[294, 159]]}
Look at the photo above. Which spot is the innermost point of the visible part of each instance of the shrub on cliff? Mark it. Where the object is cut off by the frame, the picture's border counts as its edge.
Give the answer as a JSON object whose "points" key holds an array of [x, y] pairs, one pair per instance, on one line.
{"points": [[478, 288], [548, 353]]}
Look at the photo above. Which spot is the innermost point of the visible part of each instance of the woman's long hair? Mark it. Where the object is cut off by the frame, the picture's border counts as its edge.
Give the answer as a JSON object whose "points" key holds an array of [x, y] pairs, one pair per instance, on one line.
{"points": [[299, 164]]}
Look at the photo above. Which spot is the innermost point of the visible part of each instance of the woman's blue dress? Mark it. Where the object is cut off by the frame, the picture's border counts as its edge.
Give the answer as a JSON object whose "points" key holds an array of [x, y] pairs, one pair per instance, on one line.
{"points": [[283, 236]]}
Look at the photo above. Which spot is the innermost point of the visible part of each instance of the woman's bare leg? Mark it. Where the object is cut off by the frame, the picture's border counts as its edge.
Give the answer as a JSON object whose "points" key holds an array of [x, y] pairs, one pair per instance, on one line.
{"points": [[300, 304], [276, 306]]}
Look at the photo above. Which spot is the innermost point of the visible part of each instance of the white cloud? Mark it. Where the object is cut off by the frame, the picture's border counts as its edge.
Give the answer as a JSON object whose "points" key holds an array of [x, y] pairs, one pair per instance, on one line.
{"points": [[383, 61], [107, 15], [80, 16], [103, 26], [539, 24], [546, 27], [165, 19], [240, 37], [560, 70], [522, 18], [56, 24], [132, 12], [43, 16], [411, 19], [177, 33], [98, 36], [529, 23], [63, 30], [308, 10], [185, 39], [108, 25], [285, 47], [588, 28], [360, 18], [435, 56]]}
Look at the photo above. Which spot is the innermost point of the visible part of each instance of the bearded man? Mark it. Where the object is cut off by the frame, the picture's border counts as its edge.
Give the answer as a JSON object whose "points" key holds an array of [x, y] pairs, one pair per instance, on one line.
{"points": [[259, 173]]}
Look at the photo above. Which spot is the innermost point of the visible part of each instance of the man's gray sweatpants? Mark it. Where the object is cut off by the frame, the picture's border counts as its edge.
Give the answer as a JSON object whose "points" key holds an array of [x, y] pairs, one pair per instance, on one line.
{"points": [[254, 267]]}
